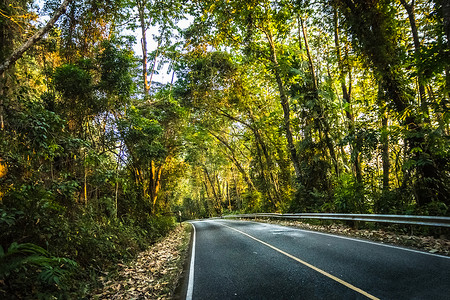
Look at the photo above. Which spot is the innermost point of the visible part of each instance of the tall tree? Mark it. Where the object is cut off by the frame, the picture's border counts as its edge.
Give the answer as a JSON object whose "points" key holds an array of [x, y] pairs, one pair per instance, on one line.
{"points": [[375, 29], [410, 9]]}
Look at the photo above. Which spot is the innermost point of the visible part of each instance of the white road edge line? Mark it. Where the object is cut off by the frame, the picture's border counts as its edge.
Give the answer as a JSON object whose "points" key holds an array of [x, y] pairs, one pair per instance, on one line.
{"points": [[191, 269], [350, 286], [360, 240]]}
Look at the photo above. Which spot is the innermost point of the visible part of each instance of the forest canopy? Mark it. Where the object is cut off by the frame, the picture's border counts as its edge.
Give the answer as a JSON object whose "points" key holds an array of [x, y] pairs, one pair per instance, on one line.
{"points": [[272, 106]]}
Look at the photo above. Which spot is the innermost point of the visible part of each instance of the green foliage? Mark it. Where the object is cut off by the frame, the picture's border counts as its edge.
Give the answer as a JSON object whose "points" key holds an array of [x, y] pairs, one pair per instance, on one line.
{"points": [[252, 201], [89, 239], [26, 262], [74, 82], [309, 200], [363, 140], [138, 128], [428, 162], [191, 209], [115, 77], [394, 202], [35, 131], [434, 208], [159, 226], [314, 187], [350, 196], [8, 218], [76, 85]]}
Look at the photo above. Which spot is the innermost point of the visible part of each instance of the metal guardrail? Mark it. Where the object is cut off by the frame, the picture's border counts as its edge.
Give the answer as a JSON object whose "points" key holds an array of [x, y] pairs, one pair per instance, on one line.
{"points": [[399, 219]]}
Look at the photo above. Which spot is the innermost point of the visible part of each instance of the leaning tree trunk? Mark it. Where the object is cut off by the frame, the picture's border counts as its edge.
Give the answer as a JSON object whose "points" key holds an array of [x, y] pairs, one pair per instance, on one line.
{"points": [[233, 158], [420, 78], [34, 39], [346, 95], [269, 162], [285, 105], [326, 126]]}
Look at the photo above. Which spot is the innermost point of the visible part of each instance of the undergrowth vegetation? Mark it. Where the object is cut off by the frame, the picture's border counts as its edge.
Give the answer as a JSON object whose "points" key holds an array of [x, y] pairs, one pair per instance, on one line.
{"points": [[60, 256], [49, 254]]}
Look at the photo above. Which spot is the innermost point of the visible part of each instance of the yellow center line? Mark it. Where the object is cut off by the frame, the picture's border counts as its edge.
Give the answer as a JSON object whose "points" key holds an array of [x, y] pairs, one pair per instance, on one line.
{"points": [[350, 286]]}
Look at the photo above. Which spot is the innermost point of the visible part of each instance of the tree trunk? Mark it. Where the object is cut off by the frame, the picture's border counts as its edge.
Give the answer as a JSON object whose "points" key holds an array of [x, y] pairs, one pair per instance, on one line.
{"points": [[412, 21], [326, 127], [345, 93], [308, 53], [154, 60], [285, 105], [346, 96], [232, 157], [219, 190], [266, 184], [228, 197], [34, 39], [2, 92], [209, 198], [141, 11], [155, 183], [370, 20], [385, 152], [299, 33], [153, 68], [212, 184], [260, 147], [6, 45], [85, 182], [269, 162], [446, 21]]}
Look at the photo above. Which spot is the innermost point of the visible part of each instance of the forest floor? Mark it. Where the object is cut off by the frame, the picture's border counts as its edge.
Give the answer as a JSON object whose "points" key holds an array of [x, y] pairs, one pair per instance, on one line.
{"points": [[425, 243], [153, 274]]}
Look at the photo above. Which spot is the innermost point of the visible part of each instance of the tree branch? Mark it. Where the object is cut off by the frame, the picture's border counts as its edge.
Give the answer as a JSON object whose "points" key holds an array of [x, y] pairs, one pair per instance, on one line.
{"points": [[34, 39]]}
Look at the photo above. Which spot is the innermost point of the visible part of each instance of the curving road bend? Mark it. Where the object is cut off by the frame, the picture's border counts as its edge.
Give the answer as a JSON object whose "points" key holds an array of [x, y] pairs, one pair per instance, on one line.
{"points": [[249, 260]]}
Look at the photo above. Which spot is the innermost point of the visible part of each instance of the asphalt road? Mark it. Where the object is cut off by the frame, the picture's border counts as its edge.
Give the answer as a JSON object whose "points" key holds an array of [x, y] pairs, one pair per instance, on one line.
{"points": [[248, 260]]}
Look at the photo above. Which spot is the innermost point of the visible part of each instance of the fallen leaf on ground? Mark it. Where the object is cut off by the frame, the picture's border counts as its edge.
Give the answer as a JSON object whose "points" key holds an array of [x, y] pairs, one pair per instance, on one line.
{"points": [[152, 275]]}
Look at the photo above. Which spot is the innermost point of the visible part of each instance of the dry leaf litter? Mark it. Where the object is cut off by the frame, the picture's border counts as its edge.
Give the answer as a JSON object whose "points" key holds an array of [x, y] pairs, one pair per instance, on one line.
{"points": [[154, 274]]}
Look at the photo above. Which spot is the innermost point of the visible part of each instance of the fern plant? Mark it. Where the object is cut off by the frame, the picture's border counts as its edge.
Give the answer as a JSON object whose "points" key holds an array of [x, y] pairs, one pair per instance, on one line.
{"points": [[19, 257]]}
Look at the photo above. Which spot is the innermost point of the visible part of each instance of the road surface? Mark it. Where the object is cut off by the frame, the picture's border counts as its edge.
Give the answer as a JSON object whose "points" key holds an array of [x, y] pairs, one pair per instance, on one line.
{"points": [[248, 260]]}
